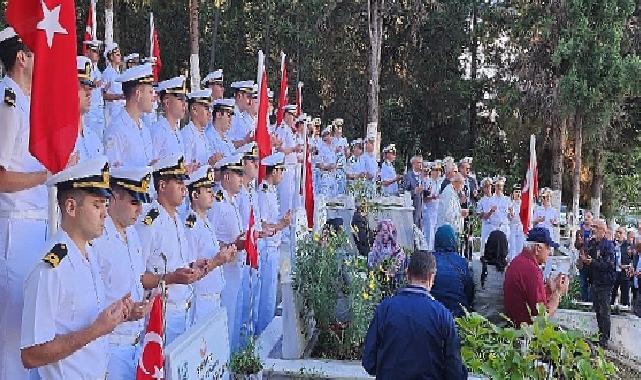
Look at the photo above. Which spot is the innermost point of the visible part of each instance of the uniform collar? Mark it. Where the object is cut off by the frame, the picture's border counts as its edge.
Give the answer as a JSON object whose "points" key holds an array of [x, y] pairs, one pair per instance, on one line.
{"points": [[73, 252]]}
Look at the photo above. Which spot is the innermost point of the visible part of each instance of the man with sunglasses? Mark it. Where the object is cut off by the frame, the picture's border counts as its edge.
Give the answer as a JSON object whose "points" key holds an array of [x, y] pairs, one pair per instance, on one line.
{"points": [[88, 144], [242, 124], [198, 150], [23, 199], [222, 112]]}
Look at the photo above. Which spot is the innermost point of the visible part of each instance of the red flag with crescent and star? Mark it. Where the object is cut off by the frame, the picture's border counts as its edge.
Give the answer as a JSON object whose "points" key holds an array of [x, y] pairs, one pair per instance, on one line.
{"points": [[48, 29], [251, 247], [150, 363]]}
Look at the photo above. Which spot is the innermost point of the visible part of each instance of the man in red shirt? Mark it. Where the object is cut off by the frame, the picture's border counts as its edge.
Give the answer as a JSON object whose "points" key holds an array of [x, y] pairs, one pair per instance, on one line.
{"points": [[523, 287]]}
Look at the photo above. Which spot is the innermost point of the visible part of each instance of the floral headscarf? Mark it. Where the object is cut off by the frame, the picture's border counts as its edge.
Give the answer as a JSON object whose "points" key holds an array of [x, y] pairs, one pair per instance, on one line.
{"points": [[385, 244]]}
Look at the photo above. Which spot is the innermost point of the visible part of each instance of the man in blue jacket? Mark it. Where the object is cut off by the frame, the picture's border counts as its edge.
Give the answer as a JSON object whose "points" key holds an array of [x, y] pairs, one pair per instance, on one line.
{"points": [[413, 336]]}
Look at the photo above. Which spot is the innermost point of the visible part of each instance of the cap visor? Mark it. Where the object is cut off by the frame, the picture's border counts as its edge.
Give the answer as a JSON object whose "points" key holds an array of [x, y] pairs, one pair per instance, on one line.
{"points": [[140, 197]]}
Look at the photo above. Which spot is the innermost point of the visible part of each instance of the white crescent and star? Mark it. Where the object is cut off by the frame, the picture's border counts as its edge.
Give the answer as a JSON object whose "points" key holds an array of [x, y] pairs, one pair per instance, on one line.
{"points": [[50, 23]]}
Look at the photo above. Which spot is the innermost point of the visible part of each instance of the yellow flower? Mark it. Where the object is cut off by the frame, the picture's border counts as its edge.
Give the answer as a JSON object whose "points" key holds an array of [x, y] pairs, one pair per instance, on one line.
{"points": [[372, 285], [316, 236], [365, 296]]}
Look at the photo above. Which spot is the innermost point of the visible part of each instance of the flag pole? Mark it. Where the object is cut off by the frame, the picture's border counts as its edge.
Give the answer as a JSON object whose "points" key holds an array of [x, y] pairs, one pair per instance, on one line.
{"points": [[531, 179], [151, 34], [94, 25]]}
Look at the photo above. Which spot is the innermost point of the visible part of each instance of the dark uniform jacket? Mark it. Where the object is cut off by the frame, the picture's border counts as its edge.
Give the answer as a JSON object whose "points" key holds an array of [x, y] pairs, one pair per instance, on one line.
{"points": [[602, 271], [413, 336], [411, 182]]}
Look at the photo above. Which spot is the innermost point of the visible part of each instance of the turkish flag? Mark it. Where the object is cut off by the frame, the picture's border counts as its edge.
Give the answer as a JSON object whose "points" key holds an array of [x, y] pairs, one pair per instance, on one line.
{"points": [[155, 48], [282, 95], [263, 140], [250, 245], [150, 363], [89, 28], [530, 188], [48, 28], [309, 187]]}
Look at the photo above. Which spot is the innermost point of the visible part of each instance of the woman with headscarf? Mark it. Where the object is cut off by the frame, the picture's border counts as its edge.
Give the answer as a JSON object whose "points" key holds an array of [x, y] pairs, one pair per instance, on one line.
{"points": [[385, 244], [489, 282], [453, 285]]}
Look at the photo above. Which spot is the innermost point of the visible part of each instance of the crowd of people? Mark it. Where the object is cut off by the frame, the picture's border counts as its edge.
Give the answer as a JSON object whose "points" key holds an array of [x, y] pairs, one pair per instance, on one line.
{"points": [[147, 205], [151, 202]]}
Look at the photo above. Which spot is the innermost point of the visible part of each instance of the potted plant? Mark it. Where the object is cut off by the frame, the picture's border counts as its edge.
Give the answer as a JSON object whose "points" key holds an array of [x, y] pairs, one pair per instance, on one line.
{"points": [[245, 364]]}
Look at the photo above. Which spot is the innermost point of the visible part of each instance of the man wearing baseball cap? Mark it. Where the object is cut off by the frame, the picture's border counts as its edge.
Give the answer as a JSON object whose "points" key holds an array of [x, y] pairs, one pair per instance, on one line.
{"points": [[524, 288]]}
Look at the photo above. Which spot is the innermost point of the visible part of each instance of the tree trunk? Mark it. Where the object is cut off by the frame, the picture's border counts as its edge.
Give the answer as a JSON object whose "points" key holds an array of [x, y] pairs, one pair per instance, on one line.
{"points": [[597, 178], [472, 116], [194, 36], [558, 152], [375, 32], [576, 174], [109, 21], [214, 38]]}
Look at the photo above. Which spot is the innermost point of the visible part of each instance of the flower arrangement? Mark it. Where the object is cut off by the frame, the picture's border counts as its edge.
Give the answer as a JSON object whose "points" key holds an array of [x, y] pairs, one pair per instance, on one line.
{"points": [[245, 362]]}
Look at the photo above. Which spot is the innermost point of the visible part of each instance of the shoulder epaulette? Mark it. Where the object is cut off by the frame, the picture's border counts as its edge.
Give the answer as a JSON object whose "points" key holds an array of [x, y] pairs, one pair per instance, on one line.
{"points": [[151, 216], [55, 256], [191, 221], [265, 187], [219, 196], [9, 97]]}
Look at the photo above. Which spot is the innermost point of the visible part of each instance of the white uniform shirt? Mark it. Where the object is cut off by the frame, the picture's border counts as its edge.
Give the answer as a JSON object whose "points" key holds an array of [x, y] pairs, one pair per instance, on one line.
{"points": [[196, 145], [339, 142], [270, 210], [88, 145], [370, 165], [389, 173], [166, 141], [326, 155], [128, 143], [113, 87], [121, 266], [96, 93], [356, 165], [550, 215], [433, 186], [63, 300], [502, 203], [516, 220], [225, 216], [164, 235], [219, 143], [241, 124], [484, 205], [204, 244], [14, 152], [285, 133], [246, 199]]}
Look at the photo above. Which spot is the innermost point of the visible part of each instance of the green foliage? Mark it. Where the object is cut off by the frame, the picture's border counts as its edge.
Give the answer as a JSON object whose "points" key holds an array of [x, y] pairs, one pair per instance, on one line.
{"points": [[246, 360], [538, 351], [333, 281]]}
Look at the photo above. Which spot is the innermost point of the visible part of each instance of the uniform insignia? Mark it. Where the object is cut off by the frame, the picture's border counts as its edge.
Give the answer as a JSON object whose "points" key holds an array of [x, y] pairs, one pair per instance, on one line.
{"points": [[191, 221], [219, 196], [150, 217], [265, 187], [57, 253], [9, 97]]}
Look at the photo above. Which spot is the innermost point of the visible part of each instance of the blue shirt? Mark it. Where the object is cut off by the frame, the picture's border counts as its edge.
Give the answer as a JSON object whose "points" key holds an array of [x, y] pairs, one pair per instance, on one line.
{"points": [[413, 336], [453, 285]]}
